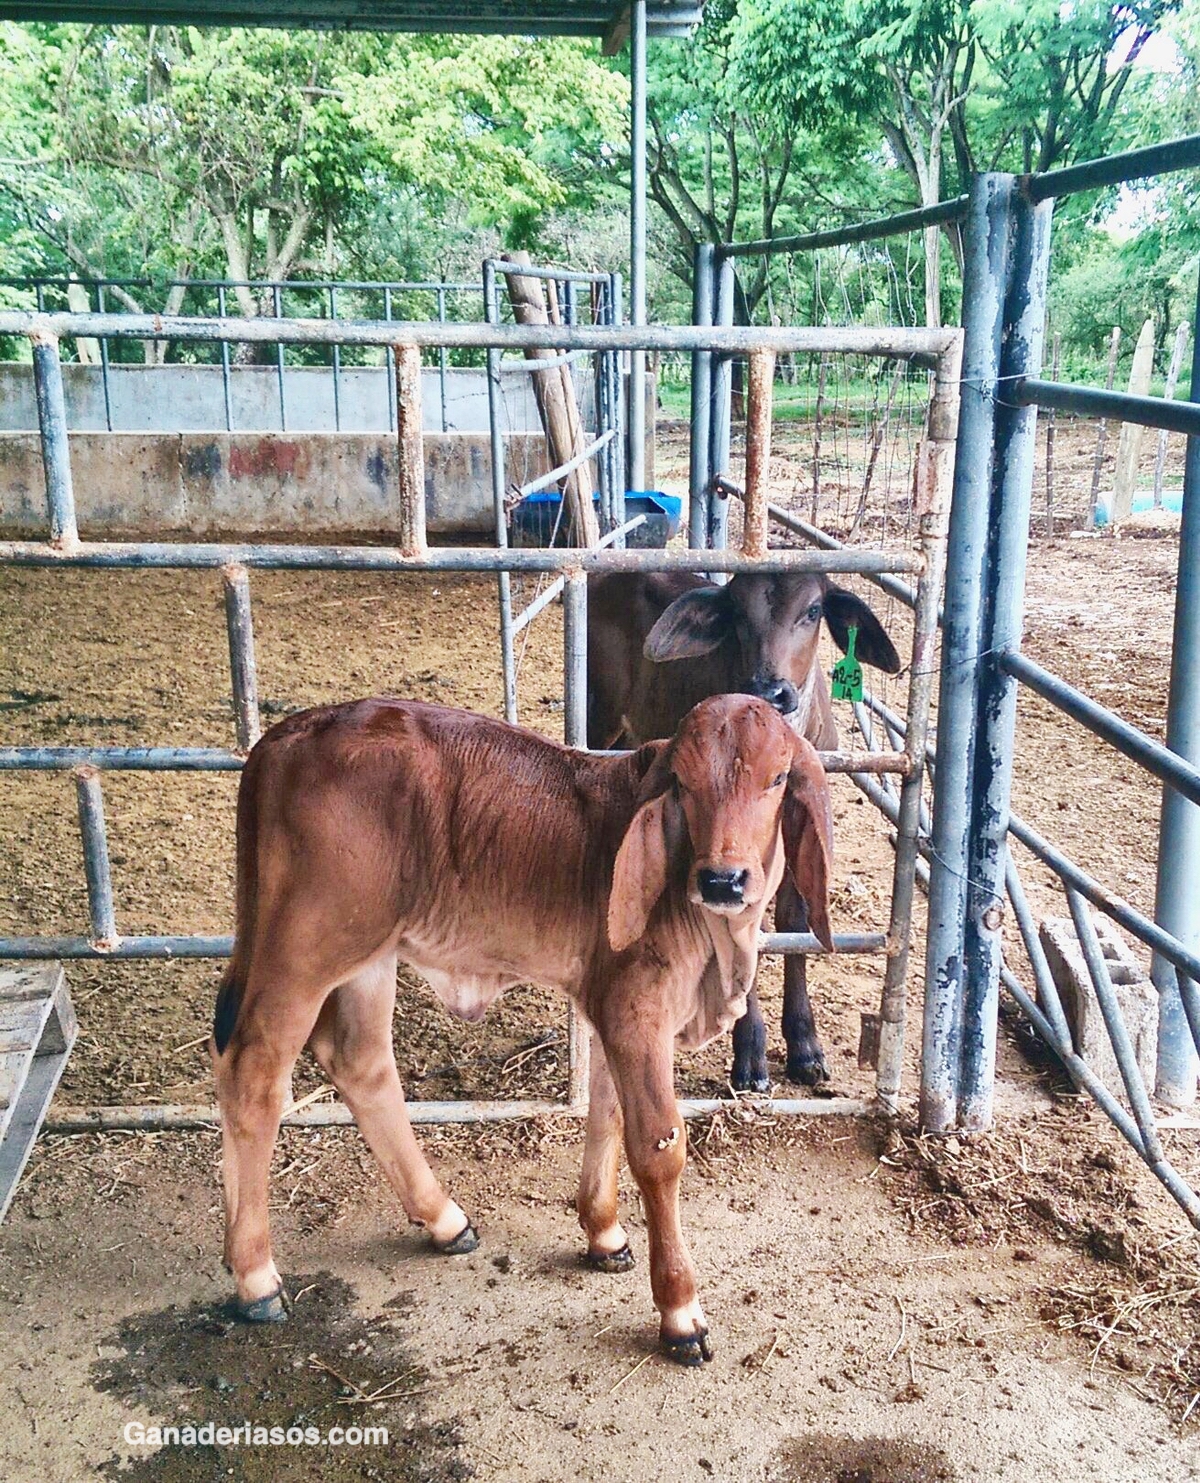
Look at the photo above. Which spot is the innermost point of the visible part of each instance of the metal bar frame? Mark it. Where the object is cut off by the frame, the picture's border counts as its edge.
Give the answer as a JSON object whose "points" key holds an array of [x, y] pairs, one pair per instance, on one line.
{"points": [[574, 565]]}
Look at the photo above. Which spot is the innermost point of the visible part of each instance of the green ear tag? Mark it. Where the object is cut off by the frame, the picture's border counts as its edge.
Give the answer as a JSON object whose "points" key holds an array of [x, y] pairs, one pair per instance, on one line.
{"points": [[847, 673]]}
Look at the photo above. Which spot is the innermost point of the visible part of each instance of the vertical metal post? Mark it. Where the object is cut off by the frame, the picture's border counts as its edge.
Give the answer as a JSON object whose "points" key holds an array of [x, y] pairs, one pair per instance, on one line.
{"points": [[226, 387], [1003, 604], [932, 506], [104, 381], [410, 450], [95, 857], [1177, 900], [603, 402], [491, 304], [620, 477], [56, 457], [700, 490], [637, 243], [722, 405], [985, 252], [390, 360], [277, 300], [243, 670], [337, 366], [575, 735], [441, 308]]}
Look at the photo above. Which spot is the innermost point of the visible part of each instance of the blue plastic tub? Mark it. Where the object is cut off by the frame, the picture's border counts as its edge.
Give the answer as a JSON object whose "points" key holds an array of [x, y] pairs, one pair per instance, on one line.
{"points": [[532, 522]]}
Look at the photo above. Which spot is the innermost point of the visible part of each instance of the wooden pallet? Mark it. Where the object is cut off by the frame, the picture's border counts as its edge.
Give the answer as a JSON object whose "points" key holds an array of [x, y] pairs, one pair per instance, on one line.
{"points": [[37, 1031]]}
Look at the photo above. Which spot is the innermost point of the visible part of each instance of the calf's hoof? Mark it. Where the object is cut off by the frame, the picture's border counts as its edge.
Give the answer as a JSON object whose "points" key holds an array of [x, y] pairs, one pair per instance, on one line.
{"points": [[466, 1241], [750, 1081], [808, 1070], [274, 1308], [687, 1349], [609, 1261]]}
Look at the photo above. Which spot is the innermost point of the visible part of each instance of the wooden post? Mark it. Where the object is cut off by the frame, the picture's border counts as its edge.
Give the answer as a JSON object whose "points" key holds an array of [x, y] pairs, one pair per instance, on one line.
{"points": [[816, 485], [758, 451], [555, 394], [1055, 361], [1160, 462], [411, 450], [1102, 431], [1130, 445]]}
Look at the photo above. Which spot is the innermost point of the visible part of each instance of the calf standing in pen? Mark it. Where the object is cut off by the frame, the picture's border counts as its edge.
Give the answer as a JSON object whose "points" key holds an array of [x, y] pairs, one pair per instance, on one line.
{"points": [[659, 643], [484, 856]]}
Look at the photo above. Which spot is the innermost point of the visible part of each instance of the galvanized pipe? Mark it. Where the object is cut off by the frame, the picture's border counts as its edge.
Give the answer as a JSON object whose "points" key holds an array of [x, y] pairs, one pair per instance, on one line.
{"points": [[867, 231], [94, 836], [441, 313], [637, 241], [575, 735], [1003, 610], [182, 556], [544, 481], [243, 670], [700, 490], [1043, 978], [544, 599], [1116, 169], [1112, 906], [119, 759], [720, 417], [56, 456], [1114, 1023], [932, 507], [985, 272], [104, 357], [618, 444], [1091, 401], [920, 346], [277, 303], [508, 658], [804, 942], [1166, 764], [226, 384], [1177, 897]]}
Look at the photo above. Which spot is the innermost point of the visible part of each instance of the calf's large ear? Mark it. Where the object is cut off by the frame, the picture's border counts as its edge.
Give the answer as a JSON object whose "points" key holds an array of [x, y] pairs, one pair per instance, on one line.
{"points": [[643, 862], [694, 624], [808, 836], [845, 610]]}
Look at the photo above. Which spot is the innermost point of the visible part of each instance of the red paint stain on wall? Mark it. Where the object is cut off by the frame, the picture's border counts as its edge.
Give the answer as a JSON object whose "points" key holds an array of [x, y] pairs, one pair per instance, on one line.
{"points": [[279, 457]]}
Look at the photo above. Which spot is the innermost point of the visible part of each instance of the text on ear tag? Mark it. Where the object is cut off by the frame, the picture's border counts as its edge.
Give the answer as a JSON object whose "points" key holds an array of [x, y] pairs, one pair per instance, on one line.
{"points": [[847, 673]]}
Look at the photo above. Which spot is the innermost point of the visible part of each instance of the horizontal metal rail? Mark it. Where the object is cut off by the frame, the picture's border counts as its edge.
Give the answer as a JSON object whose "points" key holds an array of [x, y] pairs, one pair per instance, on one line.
{"points": [[544, 481], [350, 284], [1116, 169], [1166, 765], [186, 946], [1090, 401], [923, 346], [183, 556], [1112, 906], [544, 599], [338, 1115], [866, 231], [546, 363]]}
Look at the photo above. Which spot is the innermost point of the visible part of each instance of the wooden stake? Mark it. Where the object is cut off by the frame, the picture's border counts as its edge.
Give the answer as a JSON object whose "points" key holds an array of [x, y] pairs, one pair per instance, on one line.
{"points": [[1160, 462]]}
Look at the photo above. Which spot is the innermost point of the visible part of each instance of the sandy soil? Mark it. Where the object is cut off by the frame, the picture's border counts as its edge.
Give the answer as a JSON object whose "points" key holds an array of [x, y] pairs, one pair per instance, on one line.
{"points": [[884, 1311]]}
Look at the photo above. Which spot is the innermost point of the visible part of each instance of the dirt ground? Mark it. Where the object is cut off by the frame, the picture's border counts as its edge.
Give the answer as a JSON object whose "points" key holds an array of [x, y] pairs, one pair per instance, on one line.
{"points": [[886, 1310]]}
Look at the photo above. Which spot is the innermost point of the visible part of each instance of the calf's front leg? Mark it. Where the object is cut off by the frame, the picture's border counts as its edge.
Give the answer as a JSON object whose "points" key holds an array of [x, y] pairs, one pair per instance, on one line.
{"points": [[805, 1058], [641, 1060], [750, 1072]]}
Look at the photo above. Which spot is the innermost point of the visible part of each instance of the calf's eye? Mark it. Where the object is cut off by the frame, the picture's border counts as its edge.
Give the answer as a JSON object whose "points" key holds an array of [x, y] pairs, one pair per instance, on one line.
{"points": [[779, 781], [814, 612]]}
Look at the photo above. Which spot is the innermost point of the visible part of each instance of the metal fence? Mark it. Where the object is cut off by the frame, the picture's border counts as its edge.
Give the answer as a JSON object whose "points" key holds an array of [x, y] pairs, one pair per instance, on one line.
{"points": [[938, 350], [288, 299], [1005, 221]]}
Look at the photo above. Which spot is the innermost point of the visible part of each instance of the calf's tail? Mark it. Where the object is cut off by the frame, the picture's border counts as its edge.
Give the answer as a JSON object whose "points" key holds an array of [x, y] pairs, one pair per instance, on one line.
{"points": [[233, 982]]}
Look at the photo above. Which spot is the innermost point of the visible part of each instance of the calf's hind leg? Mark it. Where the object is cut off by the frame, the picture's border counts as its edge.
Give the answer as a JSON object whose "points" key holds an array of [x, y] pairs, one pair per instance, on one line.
{"points": [[352, 1041]]}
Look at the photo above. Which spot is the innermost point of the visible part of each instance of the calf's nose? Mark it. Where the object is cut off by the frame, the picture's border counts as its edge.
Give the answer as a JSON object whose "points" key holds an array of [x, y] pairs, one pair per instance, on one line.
{"points": [[781, 694], [722, 887]]}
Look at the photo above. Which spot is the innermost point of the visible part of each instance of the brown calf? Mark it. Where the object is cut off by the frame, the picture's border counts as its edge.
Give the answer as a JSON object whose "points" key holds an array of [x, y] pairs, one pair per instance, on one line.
{"points": [[659, 643], [484, 855]]}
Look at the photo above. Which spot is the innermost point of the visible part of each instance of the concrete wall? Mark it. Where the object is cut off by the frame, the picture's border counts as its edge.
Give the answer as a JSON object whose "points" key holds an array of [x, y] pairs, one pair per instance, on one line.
{"points": [[243, 483], [192, 399]]}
